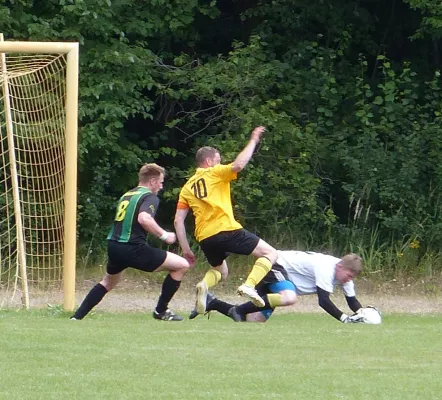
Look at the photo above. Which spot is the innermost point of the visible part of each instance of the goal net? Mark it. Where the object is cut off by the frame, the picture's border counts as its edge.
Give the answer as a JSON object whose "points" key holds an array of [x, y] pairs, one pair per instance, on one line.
{"points": [[38, 153]]}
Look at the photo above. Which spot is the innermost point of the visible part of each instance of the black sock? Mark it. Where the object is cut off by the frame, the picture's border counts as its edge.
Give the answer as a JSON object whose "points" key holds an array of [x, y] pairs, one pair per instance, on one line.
{"points": [[169, 288], [249, 307], [90, 301], [220, 306]]}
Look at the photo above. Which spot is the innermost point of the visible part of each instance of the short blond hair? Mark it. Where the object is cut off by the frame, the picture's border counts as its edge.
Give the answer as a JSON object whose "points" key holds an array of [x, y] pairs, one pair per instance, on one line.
{"points": [[203, 153], [352, 262], [149, 171]]}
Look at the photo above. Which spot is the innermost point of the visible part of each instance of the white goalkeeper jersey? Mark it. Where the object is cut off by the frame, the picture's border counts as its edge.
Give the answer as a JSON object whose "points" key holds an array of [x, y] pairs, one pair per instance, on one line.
{"points": [[308, 270]]}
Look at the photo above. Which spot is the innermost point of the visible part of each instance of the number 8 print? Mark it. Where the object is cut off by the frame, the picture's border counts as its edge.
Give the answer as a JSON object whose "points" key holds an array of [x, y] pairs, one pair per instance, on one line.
{"points": [[121, 211]]}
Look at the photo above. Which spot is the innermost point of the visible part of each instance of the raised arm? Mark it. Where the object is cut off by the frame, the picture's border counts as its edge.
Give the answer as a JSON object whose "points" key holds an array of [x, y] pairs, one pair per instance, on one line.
{"points": [[180, 229], [244, 157]]}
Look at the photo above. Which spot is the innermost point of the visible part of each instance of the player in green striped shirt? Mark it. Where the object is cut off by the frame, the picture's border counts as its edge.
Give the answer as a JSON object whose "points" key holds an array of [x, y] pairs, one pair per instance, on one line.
{"points": [[127, 245]]}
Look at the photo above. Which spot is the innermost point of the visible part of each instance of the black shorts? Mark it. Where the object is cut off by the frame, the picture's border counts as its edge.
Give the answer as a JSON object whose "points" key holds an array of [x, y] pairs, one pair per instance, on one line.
{"points": [[276, 280], [139, 256], [276, 274], [216, 248]]}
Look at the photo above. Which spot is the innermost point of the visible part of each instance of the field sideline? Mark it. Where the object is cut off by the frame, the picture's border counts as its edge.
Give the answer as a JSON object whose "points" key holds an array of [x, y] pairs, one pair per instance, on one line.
{"points": [[305, 356]]}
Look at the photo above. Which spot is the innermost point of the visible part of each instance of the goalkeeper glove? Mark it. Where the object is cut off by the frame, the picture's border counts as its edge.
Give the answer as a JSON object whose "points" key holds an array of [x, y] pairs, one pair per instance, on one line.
{"points": [[353, 319]]}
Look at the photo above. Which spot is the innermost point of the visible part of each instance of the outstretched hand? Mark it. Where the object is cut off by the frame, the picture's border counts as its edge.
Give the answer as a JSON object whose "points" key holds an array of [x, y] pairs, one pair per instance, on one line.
{"points": [[190, 257], [352, 319], [355, 318], [257, 133]]}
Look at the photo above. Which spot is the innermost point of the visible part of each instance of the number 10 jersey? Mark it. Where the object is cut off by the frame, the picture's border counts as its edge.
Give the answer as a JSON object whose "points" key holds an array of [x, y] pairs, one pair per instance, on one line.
{"points": [[207, 194]]}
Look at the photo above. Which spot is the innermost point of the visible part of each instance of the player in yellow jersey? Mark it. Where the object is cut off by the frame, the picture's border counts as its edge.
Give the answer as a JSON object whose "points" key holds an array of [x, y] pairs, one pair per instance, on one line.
{"points": [[207, 194]]}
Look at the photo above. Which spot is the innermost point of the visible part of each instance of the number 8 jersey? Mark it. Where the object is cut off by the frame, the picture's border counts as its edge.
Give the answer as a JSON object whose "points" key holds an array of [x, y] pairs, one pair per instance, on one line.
{"points": [[207, 194], [126, 227]]}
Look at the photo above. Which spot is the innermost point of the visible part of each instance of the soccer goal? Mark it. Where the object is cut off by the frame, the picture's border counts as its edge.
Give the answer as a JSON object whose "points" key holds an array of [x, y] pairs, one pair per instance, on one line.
{"points": [[38, 172]]}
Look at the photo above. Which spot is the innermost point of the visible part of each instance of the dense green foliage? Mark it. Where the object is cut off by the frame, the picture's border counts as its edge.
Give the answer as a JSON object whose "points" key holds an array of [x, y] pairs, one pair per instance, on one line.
{"points": [[350, 93]]}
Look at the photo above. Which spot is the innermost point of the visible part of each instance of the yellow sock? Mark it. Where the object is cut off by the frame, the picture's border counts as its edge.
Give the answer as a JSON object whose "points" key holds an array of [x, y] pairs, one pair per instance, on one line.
{"points": [[259, 271], [275, 299], [212, 277]]}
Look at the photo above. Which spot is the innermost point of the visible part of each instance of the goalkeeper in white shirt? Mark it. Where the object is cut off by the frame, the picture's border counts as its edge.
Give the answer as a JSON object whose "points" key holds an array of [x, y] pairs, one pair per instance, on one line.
{"points": [[298, 273]]}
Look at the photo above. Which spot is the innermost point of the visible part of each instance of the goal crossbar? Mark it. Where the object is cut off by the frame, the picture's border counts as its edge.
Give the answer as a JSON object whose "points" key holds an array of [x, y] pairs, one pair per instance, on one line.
{"points": [[38, 47]]}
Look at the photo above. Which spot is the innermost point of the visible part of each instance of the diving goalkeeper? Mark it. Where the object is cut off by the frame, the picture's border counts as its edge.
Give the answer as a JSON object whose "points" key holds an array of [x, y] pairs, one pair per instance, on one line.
{"points": [[298, 273]]}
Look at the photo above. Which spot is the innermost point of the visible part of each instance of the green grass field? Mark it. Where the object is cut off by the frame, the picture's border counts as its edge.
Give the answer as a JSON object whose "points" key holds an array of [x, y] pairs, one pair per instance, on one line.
{"points": [[43, 355]]}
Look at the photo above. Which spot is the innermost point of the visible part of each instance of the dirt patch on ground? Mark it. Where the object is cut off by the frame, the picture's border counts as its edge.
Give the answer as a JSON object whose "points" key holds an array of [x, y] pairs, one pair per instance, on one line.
{"points": [[137, 294], [389, 297]]}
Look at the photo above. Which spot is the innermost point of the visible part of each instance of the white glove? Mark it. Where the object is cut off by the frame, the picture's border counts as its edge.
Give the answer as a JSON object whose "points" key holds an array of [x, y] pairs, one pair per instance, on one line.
{"points": [[344, 318], [356, 318], [353, 319]]}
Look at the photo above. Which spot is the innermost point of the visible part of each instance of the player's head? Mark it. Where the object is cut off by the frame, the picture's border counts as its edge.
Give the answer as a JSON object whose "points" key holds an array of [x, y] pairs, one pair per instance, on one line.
{"points": [[348, 268], [152, 177], [207, 157]]}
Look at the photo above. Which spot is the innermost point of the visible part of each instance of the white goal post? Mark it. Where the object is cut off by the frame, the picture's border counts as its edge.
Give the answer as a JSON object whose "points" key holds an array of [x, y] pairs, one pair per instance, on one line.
{"points": [[38, 170]]}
